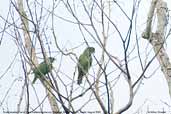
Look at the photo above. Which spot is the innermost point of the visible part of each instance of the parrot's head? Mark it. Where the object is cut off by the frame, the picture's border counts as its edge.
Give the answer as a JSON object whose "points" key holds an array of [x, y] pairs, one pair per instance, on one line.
{"points": [[51, 59], [91, 49]]}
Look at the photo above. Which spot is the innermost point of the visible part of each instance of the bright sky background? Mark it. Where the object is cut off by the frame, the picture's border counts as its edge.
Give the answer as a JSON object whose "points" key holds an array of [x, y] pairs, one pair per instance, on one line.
{"points": [[151, 93]]}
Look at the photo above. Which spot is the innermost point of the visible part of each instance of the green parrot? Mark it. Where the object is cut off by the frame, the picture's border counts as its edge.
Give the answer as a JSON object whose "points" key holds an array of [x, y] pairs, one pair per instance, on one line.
{"points": [[43, 68], [84, 63]]}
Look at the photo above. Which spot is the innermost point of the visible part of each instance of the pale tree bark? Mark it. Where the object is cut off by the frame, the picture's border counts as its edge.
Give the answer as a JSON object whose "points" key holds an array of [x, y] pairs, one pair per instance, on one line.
{"points": [[32, 54], [157, 39]]}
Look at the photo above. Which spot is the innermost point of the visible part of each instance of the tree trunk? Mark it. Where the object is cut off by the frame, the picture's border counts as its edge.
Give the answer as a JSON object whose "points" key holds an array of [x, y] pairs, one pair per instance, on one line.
{"points": [[157, 39], [32, 54]]}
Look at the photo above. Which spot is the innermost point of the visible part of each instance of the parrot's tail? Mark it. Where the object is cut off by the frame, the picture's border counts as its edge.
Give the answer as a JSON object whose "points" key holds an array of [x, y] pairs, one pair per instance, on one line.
{"points": [[80, 78], [34, 80]]}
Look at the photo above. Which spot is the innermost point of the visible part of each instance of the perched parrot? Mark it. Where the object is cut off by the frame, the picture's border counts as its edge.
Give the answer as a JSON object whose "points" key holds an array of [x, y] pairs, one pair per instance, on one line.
{"points": [[43, 68], [84, 63]]}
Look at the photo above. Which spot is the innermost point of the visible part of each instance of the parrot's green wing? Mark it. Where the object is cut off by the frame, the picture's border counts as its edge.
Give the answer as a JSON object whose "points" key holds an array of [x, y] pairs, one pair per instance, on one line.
{"points": [[42, 69], [82, 67], [84, 64]]}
